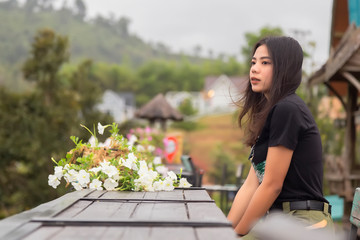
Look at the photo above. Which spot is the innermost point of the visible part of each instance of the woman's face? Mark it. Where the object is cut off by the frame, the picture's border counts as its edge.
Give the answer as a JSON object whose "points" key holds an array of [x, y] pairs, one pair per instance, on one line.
{"points": [[261, 71]]}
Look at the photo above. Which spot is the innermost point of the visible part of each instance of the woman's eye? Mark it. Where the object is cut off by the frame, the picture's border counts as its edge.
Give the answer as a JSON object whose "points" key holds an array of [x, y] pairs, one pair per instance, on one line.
{"points": [[252, 63], [265, 62]]}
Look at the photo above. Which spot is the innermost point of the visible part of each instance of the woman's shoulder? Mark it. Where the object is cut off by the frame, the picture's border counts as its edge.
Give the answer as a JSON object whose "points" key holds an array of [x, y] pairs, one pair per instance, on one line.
{"points": [[295, 106], [290, 102]]}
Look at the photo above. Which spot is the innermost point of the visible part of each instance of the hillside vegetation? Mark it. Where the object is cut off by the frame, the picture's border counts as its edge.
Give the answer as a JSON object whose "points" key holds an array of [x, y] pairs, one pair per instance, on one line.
{"points": [[102, 39], [216, 142]]}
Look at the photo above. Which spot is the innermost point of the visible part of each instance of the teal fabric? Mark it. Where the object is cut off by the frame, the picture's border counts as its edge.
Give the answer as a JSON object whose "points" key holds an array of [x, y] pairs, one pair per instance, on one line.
{"points": [[354, 12]]}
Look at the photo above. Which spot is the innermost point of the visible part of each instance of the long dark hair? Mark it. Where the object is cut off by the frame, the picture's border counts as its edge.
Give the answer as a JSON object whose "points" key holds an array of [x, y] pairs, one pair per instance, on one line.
{"points": [[287, 57]]}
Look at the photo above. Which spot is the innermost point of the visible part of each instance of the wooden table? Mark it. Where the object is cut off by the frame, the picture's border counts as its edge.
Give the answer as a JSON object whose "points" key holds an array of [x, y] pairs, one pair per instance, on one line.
{"points": [[87, 214]]}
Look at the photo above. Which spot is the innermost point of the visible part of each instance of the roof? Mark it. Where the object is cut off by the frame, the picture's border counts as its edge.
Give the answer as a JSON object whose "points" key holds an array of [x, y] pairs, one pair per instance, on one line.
{"points": [[344, 59], [158, 108], [238, 81]]}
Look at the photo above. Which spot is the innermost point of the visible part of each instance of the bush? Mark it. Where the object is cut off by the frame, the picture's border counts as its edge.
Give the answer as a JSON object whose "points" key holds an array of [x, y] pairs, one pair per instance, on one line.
{"points": [[186, 126]]}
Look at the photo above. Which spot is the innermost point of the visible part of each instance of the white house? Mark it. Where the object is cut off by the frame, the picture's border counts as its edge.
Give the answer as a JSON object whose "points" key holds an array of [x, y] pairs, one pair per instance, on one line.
{"points": [[176, 98], [219, 95], [120, 105], [221, 92]]}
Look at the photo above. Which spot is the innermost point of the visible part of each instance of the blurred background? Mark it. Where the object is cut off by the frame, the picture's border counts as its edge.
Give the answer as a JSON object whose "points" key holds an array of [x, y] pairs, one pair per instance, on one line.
{"points": [[70, 62]]}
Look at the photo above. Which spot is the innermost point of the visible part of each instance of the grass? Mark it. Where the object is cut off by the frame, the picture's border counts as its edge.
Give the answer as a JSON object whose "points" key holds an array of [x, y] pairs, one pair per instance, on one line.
{"points": [[215, 131]]}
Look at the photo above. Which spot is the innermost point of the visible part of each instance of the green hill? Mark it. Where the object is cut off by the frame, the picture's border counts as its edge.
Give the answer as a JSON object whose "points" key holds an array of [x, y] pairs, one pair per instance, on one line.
{"points": [[103, 39]]}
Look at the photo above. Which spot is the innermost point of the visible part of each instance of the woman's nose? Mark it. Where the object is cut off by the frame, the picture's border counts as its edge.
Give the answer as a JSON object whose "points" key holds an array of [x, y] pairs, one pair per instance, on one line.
{"points": [[254, 68]]}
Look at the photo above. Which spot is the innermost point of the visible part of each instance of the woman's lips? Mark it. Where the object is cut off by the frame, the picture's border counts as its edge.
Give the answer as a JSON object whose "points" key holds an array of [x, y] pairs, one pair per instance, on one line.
{"points": [[254, 80]]}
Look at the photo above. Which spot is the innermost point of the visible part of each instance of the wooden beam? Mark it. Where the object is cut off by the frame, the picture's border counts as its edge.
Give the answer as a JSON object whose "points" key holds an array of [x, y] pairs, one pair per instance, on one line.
{"points": [[351, 68], [328, 85], [351, 79]]}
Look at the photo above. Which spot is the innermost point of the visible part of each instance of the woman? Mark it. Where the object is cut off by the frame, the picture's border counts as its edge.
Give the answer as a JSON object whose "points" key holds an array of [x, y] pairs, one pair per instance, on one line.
{"points": [[286, 156]]}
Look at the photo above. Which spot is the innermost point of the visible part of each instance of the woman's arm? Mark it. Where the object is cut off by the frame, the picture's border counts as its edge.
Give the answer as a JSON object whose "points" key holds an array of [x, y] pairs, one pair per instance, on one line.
{"points": [[277, 164], [243, 198]]}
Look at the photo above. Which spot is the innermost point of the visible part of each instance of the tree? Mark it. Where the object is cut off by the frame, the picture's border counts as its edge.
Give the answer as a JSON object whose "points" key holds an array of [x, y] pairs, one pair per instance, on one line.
{"points": [[187, 108], [81, 9], [49, 52], [252, 38], [35, 128], [123, 26]]}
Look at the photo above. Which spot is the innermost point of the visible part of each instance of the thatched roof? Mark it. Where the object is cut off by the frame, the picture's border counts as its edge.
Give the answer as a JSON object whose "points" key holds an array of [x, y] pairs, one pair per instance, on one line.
{"points": [[158, 109]]}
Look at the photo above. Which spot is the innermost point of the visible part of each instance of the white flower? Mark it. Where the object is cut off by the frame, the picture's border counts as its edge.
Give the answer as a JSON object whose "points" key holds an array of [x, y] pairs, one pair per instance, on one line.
{"points": [[70, 176], [169, 184], [157, 160], [104, 163], [67, 167], [116, 177], [184, 183], [77, 186], [92, 141], [151, 148], [146, 182], [140, 148], [96, 184], [162, 170], [107, 143], [143, 168], [53, 181], [101, 128], [172, 175], [58, 172], [110, 184], [83, 178], [130, 162], [131, 141], [110, 170], [95, 170], [159, 185]]}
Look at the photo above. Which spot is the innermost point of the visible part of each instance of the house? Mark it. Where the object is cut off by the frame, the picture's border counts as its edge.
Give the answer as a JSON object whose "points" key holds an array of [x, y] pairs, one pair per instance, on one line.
{"points": [[221, 93], [218, 95], [119, 105], [175, 99]]}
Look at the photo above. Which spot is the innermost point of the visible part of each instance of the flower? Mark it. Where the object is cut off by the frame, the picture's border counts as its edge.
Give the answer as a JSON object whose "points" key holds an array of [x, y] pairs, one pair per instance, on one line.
{"points": [[168, 184], [110, 170], [140, 148], [107, 143], [110, 184], [130, 161], [114, 165], [184, 183], [53, 181], [157, 160], [77, 186], [161, 169], [151, 148], [70, 176], [95, 169], [58, 172], [101, 128], [159, 185], [172, 175], [92, 141], [96, 184], [132, 140], [83, 177]]}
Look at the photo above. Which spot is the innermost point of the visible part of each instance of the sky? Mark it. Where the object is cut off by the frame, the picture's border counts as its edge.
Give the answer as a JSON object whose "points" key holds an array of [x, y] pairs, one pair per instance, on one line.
{"points": [[220, 25]]}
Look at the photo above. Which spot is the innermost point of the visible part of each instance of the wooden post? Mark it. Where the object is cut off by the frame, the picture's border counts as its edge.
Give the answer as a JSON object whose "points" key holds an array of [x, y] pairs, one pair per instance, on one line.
{"points": [[350, 140]]}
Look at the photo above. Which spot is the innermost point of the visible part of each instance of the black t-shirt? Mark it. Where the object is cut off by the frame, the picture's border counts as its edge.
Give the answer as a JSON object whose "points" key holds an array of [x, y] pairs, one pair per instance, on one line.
{"points": [[291, 125]]}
